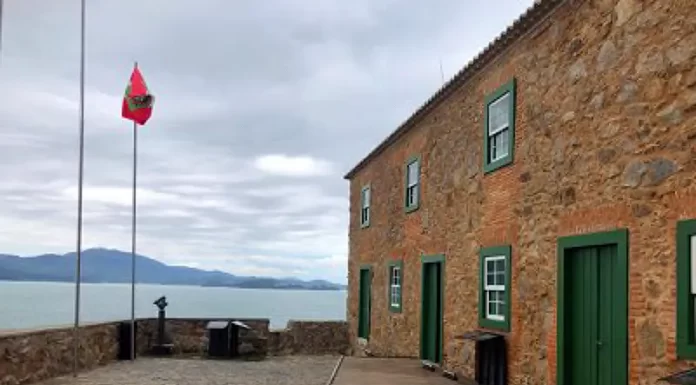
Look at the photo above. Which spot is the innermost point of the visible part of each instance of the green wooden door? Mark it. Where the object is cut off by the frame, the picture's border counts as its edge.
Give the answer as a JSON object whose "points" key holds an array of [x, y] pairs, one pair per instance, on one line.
{"points": [[594, 353], [364, 303], [431, 330]]}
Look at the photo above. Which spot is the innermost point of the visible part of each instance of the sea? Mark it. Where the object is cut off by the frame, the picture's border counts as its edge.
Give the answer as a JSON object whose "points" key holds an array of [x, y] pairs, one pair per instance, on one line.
{"points": [[30, 305]]}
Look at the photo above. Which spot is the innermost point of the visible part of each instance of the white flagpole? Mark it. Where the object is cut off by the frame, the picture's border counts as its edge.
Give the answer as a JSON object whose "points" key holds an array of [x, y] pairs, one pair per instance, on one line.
{"points": [[135, 179], [76, 333]]}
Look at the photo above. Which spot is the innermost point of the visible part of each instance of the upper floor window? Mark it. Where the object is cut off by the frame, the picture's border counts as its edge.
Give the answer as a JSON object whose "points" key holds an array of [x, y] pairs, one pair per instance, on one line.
{"points": [[412, 197], [499, 135], [365, 206]]}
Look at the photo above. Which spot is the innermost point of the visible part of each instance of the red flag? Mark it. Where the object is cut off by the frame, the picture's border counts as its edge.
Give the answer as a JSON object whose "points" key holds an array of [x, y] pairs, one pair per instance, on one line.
{"points": [[137, 101]]}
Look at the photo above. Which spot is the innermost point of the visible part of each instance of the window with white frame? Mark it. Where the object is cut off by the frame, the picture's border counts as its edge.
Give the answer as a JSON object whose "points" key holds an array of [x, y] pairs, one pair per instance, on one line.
{"points": [[499, 128], [494, 287], [412, 183], [499, 136], [395, 284], [686, 289], [365, 206]]}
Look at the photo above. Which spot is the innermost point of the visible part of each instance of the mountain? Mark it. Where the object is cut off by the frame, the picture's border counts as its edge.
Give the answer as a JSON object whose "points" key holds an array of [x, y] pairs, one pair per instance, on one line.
{"points": [[113, 266]]}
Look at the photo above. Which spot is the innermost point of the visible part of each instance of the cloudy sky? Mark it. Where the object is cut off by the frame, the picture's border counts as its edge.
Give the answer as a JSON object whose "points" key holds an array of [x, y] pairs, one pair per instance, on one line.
{"points": [[261, 108]]}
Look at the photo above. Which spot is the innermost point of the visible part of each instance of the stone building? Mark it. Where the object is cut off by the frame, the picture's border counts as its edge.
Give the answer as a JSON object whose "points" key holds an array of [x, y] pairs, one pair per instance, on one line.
{"points": [[546, 193]]}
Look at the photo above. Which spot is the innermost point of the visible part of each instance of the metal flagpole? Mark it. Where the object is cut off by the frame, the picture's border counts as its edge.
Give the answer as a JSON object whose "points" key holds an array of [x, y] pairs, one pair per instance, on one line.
{"points": [[1, 4], [76, 333], [135, 178]]}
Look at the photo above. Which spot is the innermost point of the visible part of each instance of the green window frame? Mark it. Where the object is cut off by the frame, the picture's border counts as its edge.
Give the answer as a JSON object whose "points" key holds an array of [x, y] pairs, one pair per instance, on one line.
{"points": [[412, 184], [365, 206], [395, 284], [498, 132], [494, 295], [686, 289]]}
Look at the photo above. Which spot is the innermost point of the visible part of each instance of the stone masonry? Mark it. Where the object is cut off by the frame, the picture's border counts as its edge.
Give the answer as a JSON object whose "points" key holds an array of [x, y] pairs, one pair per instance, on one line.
{"points": [[605, 138]]}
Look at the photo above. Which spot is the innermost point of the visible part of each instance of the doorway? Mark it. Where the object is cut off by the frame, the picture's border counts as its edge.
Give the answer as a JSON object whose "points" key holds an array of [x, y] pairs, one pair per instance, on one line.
{"points": [[364, 302], [432, 301], [593, 309]]}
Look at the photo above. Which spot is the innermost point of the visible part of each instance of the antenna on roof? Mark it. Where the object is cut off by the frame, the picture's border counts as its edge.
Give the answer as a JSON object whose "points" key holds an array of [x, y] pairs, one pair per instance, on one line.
{"points": [[442, 73]]}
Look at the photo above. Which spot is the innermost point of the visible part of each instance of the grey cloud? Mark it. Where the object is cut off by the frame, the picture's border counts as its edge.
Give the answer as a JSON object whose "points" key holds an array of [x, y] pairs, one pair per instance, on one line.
{"points": [[234, 82]]}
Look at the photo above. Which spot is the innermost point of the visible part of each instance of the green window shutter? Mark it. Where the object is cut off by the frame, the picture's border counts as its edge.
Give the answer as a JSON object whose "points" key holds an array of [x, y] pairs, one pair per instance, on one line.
{"points": [[394, 294], [492, 158], [500, 318], [412, 188], [686, 340]]}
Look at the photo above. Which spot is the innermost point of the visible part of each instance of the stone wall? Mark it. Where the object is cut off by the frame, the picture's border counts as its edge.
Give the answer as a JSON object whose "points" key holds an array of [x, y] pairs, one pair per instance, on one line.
{"points": [[190, 336], [310, 338], [30, 356], [604, 139]]}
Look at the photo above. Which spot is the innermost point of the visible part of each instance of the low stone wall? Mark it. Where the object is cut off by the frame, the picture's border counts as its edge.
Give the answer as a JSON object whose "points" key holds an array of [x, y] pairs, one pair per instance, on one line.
{"points": [[29, 356], [190, 336], [310, 338]]}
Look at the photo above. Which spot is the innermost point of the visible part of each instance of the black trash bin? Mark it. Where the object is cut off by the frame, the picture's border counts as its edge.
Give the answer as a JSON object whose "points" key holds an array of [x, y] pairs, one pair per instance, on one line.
{"points": [[219, 338], [124, 340]]}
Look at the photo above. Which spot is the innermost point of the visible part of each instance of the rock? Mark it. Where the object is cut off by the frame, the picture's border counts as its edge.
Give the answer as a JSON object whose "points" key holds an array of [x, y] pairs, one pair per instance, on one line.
{"points": [[641, 210], [689, 100], [568, 116], [597, 101], [525, 177], [628, 92], [658, 170], [606, 155], [575, 45], [691, 78], [651, 341], [683, 51], [609, 129], [625, 9], [633, 173], [607, 56], [650, 62], [670, 114], [655, 89], [577, 71], [637, 109], [568, 196]]}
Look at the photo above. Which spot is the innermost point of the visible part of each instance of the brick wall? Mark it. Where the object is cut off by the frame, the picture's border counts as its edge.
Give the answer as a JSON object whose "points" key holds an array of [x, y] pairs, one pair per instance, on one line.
{"points": [[605, 138]]}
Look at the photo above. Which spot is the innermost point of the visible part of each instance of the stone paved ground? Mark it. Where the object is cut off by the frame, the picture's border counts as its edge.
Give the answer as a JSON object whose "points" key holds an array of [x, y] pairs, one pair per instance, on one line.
{"points": [[294, 370], [386, 371]]}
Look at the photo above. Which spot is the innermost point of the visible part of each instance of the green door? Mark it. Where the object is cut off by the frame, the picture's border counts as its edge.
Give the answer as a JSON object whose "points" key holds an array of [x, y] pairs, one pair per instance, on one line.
{"points": [[364, 303], [431, 307], [594, 353]]}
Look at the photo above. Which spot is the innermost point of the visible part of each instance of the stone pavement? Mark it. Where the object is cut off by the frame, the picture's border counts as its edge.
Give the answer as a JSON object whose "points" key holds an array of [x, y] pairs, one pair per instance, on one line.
{"points": [[294, 370], [386, 371]]}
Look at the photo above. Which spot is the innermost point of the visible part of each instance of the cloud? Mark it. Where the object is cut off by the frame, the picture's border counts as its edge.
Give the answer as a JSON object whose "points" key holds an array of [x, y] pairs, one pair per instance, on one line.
{"points": [[298, 166], [261, 107]]}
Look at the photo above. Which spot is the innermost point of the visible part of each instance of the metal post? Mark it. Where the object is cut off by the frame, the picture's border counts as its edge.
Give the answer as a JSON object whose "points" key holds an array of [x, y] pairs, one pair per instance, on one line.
{"points": [[1, 6], [135, 173], [78, 262]]}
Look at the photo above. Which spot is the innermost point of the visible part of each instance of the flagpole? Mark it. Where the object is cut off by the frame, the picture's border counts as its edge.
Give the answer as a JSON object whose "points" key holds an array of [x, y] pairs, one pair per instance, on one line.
{"points": [[1, 9], [78, 259], [135, 179]]}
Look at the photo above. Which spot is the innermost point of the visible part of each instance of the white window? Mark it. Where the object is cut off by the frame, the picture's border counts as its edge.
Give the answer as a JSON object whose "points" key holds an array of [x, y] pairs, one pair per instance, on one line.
{"points": [[412, 183], [499, 128], [365, 206], [494, 287], [395, 287]]}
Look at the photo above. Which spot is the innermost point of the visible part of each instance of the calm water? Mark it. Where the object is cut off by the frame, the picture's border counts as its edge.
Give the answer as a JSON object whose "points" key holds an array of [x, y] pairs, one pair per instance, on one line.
{"points": [[33, 304]]}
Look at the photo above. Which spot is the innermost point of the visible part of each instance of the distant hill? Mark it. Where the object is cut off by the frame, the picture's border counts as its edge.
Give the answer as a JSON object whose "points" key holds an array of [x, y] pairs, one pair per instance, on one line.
{"points": [[113, 266]]}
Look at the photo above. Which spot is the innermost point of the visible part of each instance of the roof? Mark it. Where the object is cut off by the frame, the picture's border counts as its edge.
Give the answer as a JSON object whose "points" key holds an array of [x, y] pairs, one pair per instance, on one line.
{"points": [[524, 24]]}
